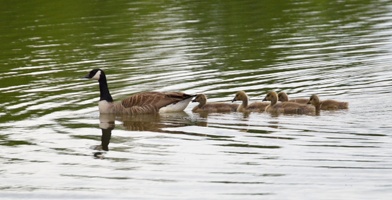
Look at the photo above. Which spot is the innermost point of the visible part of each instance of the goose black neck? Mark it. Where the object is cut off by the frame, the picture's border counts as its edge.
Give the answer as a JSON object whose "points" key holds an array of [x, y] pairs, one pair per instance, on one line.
{"points": [[104, 89]]}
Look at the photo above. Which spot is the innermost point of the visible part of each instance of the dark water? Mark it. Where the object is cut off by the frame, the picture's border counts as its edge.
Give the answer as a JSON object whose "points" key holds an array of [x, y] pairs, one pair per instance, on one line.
{"points": [[55, 144]]}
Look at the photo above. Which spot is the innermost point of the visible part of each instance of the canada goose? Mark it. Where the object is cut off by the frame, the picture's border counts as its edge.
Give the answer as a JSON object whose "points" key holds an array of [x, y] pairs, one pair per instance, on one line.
{"points": [[282, 96], [286, 107], [140, 103], [244, 107], [327, 104], [212, 106]]}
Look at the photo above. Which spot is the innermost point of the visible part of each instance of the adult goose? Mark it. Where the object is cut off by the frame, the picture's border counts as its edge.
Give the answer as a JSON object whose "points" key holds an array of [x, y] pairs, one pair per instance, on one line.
{"points": [[282, 96], [140, 103], [326, 104], [286, 107], [212, 106], [245, 106]]}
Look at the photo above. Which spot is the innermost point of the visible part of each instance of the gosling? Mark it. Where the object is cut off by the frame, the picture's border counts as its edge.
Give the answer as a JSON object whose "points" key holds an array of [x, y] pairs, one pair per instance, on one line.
{"points": [[282, 96], [286, 107], [245, 106], [326, 104], [212, 106]]}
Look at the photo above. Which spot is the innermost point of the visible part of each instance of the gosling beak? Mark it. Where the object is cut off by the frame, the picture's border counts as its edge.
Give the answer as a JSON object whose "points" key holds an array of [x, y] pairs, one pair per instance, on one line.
{"points": [[233, 100], [265, 99], [309, 102]]}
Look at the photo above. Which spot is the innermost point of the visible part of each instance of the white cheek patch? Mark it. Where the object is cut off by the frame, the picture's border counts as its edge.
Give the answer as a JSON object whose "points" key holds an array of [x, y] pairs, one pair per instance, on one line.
{"points": [[97, 75]]}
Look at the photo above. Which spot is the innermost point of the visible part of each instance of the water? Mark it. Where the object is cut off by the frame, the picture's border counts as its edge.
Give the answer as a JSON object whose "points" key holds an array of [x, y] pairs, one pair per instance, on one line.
{"points": [[55, 144]]}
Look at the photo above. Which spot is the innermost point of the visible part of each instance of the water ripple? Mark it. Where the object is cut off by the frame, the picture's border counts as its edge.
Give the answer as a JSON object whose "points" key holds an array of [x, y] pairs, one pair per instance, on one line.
{"points": [[49, 116]]}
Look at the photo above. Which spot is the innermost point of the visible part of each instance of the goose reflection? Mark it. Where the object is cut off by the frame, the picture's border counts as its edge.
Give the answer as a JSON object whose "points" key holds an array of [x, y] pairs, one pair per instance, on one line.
{"points": [[106, 124], [154, 122], [143, 122]]}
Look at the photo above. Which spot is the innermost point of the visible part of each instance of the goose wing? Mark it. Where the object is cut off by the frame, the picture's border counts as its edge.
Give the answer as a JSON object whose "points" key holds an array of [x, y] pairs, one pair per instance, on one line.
{"points": [[154, 99]]}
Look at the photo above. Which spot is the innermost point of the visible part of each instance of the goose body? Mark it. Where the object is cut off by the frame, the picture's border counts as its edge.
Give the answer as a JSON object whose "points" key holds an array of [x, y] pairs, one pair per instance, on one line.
{"points": [[245, 106], [212, 106], [327, 104], [282, 96], [140, 103], [286, 107]]}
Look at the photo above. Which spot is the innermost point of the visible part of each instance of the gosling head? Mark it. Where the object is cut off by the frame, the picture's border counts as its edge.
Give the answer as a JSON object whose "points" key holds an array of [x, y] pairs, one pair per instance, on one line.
{"points": [[240, 96], [282, 96], [314, 100], [200, 98], [271, 96], [95, 74]]}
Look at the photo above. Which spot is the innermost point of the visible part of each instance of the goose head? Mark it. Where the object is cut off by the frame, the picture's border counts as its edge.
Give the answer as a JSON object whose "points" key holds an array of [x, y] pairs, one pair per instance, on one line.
{"points": [[240, 96], [95, 74]]}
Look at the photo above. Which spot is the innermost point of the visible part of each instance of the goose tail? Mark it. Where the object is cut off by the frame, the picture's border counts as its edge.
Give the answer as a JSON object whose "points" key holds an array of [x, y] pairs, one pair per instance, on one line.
{"points": [[179, 106]]}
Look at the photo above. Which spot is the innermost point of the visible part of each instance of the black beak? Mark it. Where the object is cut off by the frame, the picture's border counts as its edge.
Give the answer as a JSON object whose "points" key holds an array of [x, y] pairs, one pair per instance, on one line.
{"points": [[233, 100], [265, 99], [309, 102]]}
